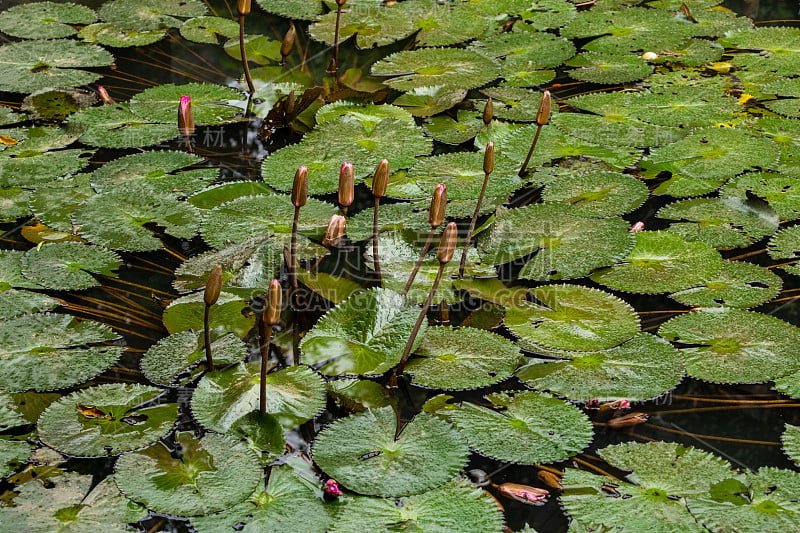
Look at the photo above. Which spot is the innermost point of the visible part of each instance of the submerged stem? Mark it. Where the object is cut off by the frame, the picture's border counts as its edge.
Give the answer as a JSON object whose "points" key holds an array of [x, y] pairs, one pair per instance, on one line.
{"points": [[246, 67]]}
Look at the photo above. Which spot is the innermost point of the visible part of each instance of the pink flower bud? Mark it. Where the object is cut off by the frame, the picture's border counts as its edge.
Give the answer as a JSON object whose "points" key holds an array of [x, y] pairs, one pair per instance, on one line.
{"points": [[332, 488], [523, 493], [639, 226], [186, 116], [104, 96]]}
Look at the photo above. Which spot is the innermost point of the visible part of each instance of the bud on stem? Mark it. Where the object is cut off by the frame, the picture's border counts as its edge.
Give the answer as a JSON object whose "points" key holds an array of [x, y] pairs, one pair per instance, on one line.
{"points": [[104, 96], [288, 42], [447, 244], [438, 206], [243, 6], [346, 185], [185, 116], [273, 303], [210, 297], [300, 186], [380, 180], [543, 114], [488, 111], [337, 227]]}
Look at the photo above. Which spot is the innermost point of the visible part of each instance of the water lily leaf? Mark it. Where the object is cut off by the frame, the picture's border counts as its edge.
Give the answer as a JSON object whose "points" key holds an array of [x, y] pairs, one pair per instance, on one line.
{"points": [[365, 334], [106, 420], [8, 116], [13, 203], [31, 65], [525, 427], [356, 395], [149, 14], [218, 194], [121, 218], [457, 130], [110, 35], [791, 442], [682, 186], [785, 87], [376, 25], [208, 475], [391, 217], [37, 169], [436, 66], [58, 351], [737, 284], [639, 369], [158, 169], [295, 9], [333, 288], [462, 358], [661, 261], [172, 360], [786, 245], [693, 53], [44, 20], [427, 101], [566, 246], [66, 504], [13, 453], [789, 384], [14, 303], [186, 313], [209, 29], [721, 222], [571, 317], [367, 115], [525, 51], [778, 46], [664, 475], [11, 271], [294, 395], [734, 346], [513, 103], [608, 69], [57, 104], [117, 126], [444, 24], [597, 194], [543, 14], [259, 49], [456, 506], [633, 29], [781, 192], [211, 104], [289, 499], [10, 414], [680, 106], [264, 214], [54, 207], [365, 453], [67, 266]]}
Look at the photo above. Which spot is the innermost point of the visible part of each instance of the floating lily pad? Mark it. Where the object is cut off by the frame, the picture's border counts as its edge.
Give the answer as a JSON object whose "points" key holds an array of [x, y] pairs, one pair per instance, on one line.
{"points": [[40, 169], [786, 245], [294, 395], [57, 104], [374, 26], [448, 130], [512, 103], [524, 427], [8, 116], [436, 66], [157, 169], [737, 284], [791, 442], [607, 69], [110, 35], [44, 20], [681, 106], [734, 346], [226, 315], [526, 50], [14, 303], [11, 271], [67, 266], [259, 49], [571, 317], [296, 9], [208, 475], [427, 101], [661, 261], [639, 369], [778, 46], [462, 358], [442, 25], [54, 207], [13, 203], [117, 126], [566, 246], [106, 420], [149, 14], [357, 395], [209, 29], [211, 104], [13, 453], [540, 14], [218, 194], [335, 289], [365, 334], [597, 194], [10, 414], [365, 453], [781, 192]]}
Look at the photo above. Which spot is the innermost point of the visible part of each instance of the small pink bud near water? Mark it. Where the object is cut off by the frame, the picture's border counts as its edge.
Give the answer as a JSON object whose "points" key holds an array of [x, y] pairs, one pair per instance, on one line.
{"points": [[331, 488], [104, 96], [623, 404], [632, 419], [524, 493], [639, 226], [186, 116]]}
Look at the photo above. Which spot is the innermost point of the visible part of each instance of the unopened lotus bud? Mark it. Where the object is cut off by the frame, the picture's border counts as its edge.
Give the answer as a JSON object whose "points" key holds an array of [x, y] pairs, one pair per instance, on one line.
{"points": [[550, 479], [331, 488], [288, 104], [632, 419], [274, 303], [331, 67], [341, 2], [617, 405], [523, 493], [337, 226], [288, 41], [543, 115], [300, 187], [186, 116], [104, 96], [346, 184], [488, 111], [639, 226], [447, 244], [244, 7], [380, 179], [213, 286], [488, 158], [438, 206]]}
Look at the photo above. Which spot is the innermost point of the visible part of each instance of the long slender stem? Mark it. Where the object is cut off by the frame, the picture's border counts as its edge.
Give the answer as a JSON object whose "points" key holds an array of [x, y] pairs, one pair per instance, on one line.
{"points": [[375, 259], [246, 67], [266, 341], [336, 39], [420, 259], [293, 287], [472, 222], [207, 338], [523, 171]]}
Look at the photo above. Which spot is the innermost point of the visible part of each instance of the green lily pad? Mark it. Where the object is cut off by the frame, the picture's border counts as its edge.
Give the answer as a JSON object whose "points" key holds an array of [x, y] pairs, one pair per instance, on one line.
{"points": [[365, 453], [296, 9], [13, 453], [67, 266], [208, 475], [781, 192], [571, 317], [365, 334], [633, 29], [427, 101], [8, 116], [462, 358], [357, 395], [567, 246], [117, 126], [14, 303], [778, 46], [31, 65], [11, 271], [392, 217], [335, 289], [597, 194], [157, 169], [57, 351], [541, 14], [607, 69], [639, 369], [661, 261], [456, 506], [525, 50], [259, 49], [791, 442], [44, 20], [734, 346], [446, 129], [294, 395], [13, 203], [209, 29], [376, 25], [786, 245], [513, 103], [682, 106], [54, 207], [218, 194], [211, 104], [66, 504], [10, 414], [172, 361], [35, 169], [186, 313], [524, 427], [106, 420], [57, 104], [737, 284], [149, 14], [436, 66], [110, 35], [442, 25]]}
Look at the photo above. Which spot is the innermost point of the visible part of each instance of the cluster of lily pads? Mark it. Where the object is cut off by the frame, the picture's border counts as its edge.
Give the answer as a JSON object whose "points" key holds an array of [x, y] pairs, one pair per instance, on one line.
{"points": [[650, 190]]}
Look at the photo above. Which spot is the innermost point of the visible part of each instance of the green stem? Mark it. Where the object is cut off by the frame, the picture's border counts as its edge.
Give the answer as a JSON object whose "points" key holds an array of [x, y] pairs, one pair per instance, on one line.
{"points": [[420, 259], [207, 338], [246, 67], [472, 222], [523, 171], [375, 258], [266, 341]]}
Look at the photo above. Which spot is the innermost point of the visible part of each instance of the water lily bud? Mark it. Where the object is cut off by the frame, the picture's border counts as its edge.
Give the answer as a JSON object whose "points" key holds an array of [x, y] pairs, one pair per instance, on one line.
{"points": [[447, 244], [341, 2], [543, 115], [244, 7], [337, 226], [186, 116], [380, 179], [550, 479], [331, 69], [488, 111], [300, 186], [346, 184], [639, 226], [288, 41], [438, 206], [632, 419], [288, 104], [213, 286], [272, 312], [617, 405], [104, 96], [523, 493], [488, 158], [331, 488]]}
